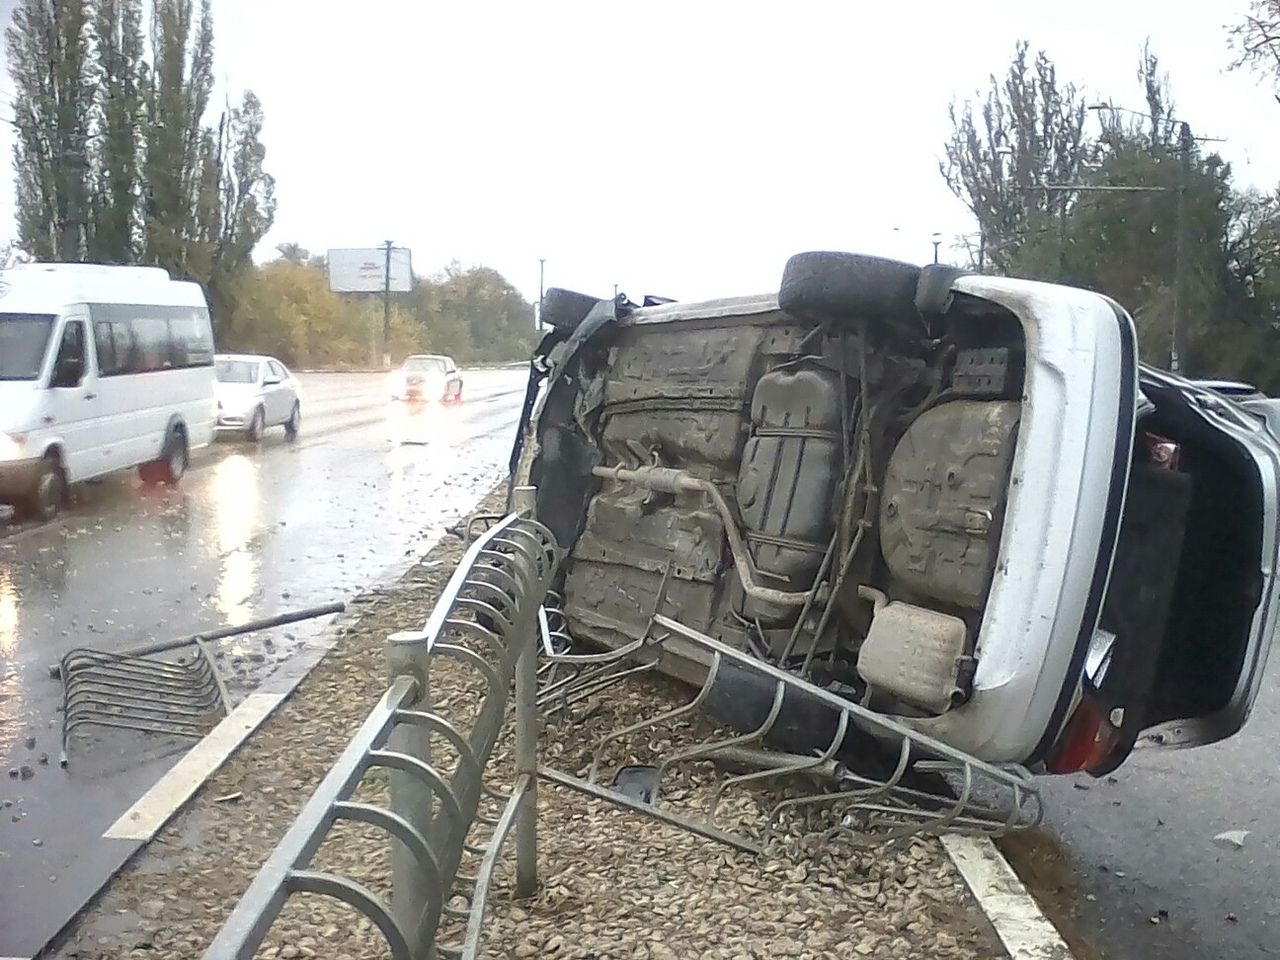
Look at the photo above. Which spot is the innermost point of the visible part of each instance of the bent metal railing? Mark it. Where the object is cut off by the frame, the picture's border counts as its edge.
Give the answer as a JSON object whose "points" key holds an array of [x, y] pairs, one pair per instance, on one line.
{"points": [[919, 786], [485, 623]]}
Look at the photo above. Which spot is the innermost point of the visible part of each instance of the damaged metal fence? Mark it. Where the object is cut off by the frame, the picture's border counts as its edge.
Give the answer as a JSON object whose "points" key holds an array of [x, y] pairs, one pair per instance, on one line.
{"points": [[181, 698], [156, 687], [921, 785], [447, 826]]}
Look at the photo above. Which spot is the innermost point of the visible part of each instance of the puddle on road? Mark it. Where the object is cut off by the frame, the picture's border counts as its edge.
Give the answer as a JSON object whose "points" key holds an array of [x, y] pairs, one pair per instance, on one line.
{"points": [[236, 506], [431, 424]]}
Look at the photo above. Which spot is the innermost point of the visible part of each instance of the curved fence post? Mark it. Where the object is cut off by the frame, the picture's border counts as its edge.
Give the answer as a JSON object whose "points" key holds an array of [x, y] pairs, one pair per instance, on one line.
{"points": [[409, 654]]}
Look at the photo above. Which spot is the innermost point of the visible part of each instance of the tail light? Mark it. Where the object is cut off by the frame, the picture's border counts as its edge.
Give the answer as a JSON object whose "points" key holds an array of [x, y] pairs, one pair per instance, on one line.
{"points": [[1087, 741]]}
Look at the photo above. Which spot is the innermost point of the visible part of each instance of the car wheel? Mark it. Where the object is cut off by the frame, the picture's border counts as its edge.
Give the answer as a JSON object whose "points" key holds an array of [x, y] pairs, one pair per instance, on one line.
{"points": [[257, 426], [851, 287], [565, 309], [47, 496], [173, 462], [294, 423]]}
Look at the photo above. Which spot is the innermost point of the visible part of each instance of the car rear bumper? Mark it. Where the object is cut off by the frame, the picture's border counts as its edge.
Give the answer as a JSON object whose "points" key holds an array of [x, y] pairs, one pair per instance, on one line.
{"points": [[237, 422]]}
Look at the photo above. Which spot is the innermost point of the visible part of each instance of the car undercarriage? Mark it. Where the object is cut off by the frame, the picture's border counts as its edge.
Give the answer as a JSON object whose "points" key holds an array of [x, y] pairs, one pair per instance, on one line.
{"points": [[822, 478]]}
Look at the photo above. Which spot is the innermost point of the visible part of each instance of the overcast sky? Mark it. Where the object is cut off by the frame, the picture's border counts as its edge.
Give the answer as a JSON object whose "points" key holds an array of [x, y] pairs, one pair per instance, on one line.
{"points": [[684, 149]]}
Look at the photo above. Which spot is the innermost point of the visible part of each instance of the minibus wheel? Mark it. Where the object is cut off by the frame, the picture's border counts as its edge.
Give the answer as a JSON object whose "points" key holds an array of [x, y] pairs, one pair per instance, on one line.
{"points": [[48, 493], [172, 464]]}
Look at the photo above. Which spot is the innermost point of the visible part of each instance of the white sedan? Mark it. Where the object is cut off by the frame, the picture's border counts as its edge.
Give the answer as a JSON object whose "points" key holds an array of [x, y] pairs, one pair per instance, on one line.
{"points": [[254, 393]]}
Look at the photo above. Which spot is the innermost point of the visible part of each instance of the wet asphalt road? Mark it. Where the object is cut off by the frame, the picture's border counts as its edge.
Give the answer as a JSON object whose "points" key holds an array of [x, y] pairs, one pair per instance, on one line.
{"points": [[1144, 844], [251, 531]]}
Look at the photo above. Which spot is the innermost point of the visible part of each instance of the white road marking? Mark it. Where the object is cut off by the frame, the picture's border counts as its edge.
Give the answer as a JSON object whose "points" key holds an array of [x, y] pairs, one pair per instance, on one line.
{"points": [[166, 797], [1020, 923]]}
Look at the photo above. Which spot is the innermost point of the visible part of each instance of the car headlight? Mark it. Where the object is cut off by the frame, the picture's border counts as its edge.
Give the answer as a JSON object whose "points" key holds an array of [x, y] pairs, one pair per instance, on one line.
{"points": [[12, 446]]}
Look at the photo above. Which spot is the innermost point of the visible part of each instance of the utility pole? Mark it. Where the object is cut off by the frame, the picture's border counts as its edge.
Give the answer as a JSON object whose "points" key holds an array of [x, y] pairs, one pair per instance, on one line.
{"points": [[1185, 144], [386, 308], [537, 314]]}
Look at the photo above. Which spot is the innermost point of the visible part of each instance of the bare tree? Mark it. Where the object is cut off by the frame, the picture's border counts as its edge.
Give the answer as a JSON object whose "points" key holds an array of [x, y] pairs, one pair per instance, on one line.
{"points": [[1028, 133], [1256, 41]]}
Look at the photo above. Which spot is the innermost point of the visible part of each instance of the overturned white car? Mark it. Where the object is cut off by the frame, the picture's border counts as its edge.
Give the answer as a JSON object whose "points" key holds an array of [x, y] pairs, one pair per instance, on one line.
{"points": [[957, 500]]}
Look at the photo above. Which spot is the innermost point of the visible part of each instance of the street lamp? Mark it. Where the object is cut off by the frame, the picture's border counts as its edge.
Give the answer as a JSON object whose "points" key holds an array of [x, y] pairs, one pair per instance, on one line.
{"points": [[937, 242]]}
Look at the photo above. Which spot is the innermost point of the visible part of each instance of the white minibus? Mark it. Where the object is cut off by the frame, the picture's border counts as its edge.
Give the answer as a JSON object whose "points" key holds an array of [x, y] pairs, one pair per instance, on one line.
{"points": [[102, 368]]}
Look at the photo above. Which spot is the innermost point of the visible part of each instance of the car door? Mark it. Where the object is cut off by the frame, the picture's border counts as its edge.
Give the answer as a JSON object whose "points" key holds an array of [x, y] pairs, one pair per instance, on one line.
{"points": [[288, 390], [276, 393], [1193, 601], [74, 406]]}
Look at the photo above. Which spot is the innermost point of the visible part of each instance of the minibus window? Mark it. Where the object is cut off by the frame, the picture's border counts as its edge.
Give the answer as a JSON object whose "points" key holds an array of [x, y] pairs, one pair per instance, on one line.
{"points": [[23, 339], [69, 369]]}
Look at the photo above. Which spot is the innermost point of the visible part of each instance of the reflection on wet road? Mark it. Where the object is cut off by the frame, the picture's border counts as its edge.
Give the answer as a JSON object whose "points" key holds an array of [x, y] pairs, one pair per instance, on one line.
{"points": [[252, 531]]}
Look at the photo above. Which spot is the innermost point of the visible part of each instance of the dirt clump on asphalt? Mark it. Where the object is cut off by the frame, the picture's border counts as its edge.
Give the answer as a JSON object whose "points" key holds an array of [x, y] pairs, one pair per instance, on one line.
{"points": [[613, 883]]}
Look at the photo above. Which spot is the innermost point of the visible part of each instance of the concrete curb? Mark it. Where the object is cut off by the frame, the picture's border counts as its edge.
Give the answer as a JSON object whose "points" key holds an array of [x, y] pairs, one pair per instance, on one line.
{"points": [[1018, 920]]}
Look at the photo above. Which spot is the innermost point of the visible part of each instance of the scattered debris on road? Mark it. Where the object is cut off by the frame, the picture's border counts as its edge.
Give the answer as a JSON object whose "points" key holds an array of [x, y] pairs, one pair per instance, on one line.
{"points": [[1231, 839]]}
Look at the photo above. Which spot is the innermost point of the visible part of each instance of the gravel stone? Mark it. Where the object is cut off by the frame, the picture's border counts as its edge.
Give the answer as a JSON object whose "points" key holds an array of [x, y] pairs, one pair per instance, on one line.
{"points": [[614, 884]]}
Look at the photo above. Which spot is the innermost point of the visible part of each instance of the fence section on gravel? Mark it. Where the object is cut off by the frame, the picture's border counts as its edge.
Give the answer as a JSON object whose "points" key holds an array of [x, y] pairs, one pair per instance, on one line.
{"points": [[442, 815]]}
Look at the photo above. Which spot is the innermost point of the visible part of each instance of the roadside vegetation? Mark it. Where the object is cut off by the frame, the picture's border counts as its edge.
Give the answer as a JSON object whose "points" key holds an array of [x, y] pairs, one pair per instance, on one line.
{"points": [[1069, 185]]}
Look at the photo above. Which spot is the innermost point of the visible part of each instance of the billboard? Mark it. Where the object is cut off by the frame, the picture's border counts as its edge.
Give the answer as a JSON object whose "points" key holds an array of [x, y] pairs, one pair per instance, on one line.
{"points": [[364, 270]]}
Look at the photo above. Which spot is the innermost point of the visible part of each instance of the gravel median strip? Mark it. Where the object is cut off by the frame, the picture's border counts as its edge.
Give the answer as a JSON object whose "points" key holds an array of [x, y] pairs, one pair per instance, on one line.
{"points": [[614, 884]]}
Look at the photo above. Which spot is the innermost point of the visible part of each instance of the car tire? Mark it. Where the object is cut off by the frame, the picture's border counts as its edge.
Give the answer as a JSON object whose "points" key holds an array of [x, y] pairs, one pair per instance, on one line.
{"points": [[175, 456], [848, 287], [565, 309], [294, 424], [47, 496], [257, 426]]}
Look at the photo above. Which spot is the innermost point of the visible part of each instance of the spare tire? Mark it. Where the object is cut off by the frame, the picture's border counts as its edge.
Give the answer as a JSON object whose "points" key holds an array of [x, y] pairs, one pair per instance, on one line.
{"points": [[852, 286], [565, 309]]}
